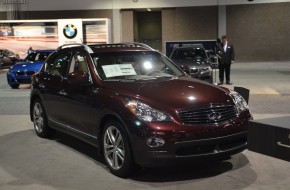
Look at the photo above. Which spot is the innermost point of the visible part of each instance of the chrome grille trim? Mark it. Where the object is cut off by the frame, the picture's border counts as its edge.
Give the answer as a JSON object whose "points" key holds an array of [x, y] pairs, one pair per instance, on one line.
{"points": [[24, 73], [212, 114]]}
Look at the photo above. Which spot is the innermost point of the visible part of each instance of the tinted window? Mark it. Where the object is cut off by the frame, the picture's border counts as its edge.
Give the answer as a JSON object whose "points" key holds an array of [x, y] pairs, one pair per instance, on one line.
{"points": [[79, 64], [39, 56], [58, 64], [191, 53]]}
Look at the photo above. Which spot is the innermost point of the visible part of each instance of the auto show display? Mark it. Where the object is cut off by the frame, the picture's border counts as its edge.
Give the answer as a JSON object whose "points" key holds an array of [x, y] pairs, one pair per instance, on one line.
{"points": [[21, 72], [271, 137], [19, 35], [136, 106]]}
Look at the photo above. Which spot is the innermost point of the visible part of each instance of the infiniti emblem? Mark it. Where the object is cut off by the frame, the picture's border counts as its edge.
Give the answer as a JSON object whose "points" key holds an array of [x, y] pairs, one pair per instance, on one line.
{"points": [[214, 116]]}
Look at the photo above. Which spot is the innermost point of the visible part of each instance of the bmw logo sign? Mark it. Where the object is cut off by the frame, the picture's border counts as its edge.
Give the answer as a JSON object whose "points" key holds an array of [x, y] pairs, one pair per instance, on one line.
{"points": [[70, 31]]}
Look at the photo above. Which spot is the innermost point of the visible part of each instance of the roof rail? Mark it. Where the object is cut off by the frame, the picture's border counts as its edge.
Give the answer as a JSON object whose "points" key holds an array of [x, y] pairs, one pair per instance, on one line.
{"points": [[129, 44], [75, 45]]}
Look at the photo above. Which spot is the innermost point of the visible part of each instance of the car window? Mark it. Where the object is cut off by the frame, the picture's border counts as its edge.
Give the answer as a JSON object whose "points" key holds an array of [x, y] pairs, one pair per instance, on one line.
{"points": [[8, 53], [58, 65], [39, 56], [190, 53], [79, 64], [134, 65]]}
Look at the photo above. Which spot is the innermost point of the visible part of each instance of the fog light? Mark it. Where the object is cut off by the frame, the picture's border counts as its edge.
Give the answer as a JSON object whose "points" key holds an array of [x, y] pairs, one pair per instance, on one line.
{"points": [[155, 142]]}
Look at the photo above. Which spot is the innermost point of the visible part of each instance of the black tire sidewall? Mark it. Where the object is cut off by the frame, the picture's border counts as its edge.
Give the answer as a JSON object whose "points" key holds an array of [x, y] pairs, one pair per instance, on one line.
{"points": [[15, 86]]}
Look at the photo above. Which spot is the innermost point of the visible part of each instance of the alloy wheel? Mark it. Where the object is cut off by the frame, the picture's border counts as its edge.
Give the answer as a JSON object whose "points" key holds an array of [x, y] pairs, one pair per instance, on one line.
{"points": [[38, 119], [114, 149]]}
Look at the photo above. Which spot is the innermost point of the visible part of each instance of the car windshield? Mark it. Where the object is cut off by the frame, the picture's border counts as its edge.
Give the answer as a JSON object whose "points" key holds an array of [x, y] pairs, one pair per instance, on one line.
{"points": [[190, 54], [37, 56], [137, 65]]}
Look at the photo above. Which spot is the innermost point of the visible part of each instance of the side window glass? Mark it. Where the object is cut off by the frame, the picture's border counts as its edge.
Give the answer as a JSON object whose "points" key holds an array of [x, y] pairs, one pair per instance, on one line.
{"points": [[79, 64], [9, 53], [58, 65], [5, 53]]}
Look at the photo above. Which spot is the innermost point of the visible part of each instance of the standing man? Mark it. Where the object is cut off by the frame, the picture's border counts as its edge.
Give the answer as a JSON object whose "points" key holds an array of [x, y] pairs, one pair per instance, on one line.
{"points": [[29, 51], [227, 57]]}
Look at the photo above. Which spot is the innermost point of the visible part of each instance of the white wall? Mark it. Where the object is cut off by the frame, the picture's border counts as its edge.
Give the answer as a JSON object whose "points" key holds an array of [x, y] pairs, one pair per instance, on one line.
{"points": [[38, 5]]}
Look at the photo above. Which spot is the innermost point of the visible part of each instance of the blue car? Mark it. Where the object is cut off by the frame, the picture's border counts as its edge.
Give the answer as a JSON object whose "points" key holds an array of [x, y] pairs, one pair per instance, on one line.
{"points": [[21, 72]]}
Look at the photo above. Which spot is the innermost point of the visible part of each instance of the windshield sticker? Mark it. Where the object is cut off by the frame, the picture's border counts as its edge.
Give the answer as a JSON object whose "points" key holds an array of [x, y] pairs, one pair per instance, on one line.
{"points": [[118, 70]]}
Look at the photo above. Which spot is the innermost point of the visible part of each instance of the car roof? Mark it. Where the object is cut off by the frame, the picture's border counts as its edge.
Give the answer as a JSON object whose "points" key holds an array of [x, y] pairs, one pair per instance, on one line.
{"points": [[43, 51], [190, 46], [6, 50], [102, 48]]}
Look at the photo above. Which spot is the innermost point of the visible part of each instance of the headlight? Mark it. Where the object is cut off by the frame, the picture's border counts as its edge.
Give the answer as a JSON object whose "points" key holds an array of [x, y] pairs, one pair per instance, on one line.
{"points": [[206, 69], [10, 71], [240, 102], [145, 112]]}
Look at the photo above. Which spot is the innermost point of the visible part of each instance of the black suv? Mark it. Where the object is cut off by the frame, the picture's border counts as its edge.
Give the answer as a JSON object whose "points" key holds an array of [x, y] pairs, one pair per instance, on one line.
{"points": [[136, 106], [195, 60]]}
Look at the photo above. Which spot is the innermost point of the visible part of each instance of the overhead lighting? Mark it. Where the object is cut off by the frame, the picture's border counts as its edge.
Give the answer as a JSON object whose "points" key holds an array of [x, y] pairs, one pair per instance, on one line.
{"points": [[148, 9]]}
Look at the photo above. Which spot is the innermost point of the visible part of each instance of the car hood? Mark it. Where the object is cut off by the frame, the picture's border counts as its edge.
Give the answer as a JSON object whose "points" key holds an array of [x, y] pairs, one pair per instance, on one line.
{"points": [[176, 94], [35, 66], [202, 62]]}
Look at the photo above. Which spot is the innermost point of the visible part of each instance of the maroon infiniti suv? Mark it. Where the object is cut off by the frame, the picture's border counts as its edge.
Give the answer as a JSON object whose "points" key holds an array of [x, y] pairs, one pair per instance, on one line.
{"points": [[136, 106]]}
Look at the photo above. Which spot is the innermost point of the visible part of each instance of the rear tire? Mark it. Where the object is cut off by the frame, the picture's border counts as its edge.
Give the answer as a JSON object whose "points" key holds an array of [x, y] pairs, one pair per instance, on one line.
{"points": [[40, 120], [116, 150]]}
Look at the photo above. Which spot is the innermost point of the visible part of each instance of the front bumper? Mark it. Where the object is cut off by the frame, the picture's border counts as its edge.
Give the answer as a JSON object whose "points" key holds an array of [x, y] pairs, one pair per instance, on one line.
{"points": [[200, 72], [13, 79], [181, 153], [190, 143]]}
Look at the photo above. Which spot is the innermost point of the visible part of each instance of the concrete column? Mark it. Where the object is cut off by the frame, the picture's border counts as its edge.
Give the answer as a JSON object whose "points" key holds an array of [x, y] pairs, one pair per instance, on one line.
{"points": [[127, 25], [116, 25], [222, 20]]}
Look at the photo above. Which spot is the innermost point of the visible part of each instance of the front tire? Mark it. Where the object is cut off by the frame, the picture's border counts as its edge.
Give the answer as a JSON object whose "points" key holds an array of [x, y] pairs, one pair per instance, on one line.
{"points": [[14, 86], [40, 120], [116, 150]]}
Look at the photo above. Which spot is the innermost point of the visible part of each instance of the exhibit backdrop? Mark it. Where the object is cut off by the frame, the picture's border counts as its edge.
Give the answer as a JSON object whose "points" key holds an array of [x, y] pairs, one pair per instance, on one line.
{"points": [[19, 35]]}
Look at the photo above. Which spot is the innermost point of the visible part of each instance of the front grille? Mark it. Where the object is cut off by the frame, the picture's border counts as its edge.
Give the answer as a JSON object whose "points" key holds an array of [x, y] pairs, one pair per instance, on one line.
{"points": [[208, 115], [212, 148], [24, 81], [30, 72], [194, 71], [20, 73], [24, 73]]}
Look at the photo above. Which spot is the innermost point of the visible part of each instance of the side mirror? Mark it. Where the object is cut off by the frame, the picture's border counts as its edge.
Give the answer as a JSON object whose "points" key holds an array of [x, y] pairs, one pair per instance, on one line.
{"points": [[77, 77], [185, 68]]}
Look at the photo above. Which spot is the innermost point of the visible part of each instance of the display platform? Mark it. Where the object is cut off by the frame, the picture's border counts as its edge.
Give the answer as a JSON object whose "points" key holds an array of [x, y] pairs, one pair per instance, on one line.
{"points": [[270, 137]]}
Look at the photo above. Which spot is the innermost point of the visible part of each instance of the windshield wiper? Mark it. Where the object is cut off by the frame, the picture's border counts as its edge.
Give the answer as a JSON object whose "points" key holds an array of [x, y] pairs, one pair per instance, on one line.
{"points": [[147, 78]]}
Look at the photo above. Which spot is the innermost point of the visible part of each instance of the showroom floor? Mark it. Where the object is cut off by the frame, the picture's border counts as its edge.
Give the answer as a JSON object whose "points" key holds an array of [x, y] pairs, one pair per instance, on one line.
{"points": [[32, 163]]}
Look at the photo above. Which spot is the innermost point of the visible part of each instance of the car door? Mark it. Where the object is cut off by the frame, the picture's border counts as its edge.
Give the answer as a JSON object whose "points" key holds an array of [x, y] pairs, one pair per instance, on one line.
{"points": [[80, 113], [55, 70]]}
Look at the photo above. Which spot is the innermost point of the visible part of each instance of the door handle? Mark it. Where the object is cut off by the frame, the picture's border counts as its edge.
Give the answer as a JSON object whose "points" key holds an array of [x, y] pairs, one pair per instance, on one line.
{"points": [[283, 145], [41, 85], [62, 92]]}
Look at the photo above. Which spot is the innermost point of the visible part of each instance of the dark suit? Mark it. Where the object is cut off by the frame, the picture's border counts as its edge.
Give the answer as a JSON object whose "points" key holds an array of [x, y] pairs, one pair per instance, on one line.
{"points": [[225, 61]]}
